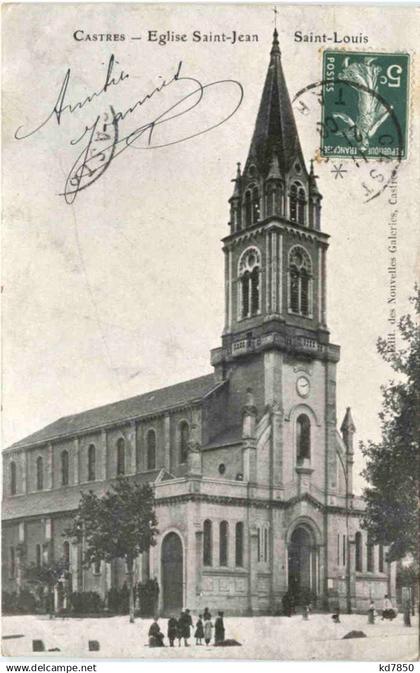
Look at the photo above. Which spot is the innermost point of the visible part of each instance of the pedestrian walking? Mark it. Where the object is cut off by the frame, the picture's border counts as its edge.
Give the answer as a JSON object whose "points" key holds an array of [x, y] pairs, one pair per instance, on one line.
{"points": [[305, 612], [208, 629], [219, 629], [199, 631], [172, 630], [185, 623], [188, 624], [371, 613]]}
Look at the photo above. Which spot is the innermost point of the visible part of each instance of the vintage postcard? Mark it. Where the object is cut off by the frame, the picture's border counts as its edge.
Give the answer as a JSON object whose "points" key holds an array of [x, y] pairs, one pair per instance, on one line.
{"points": [[210, 249]]}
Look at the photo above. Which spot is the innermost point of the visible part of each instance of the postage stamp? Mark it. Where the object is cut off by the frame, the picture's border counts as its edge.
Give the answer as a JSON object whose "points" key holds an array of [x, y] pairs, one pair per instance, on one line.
{"points": [[365, 104]]}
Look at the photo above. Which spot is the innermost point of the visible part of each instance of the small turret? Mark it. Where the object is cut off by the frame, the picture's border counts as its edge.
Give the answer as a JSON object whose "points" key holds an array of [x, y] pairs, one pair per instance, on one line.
{"points": [[314, 200], [235, 201], [348, 429]]}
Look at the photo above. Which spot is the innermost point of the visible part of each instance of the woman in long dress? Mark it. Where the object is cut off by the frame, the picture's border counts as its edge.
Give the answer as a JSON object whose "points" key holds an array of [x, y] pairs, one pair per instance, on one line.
{"points": [[219, 629], [208, 629], [388, 612]]}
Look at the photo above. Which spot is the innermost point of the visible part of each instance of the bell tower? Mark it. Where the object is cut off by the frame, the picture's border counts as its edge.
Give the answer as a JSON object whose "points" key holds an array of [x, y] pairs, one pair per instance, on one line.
{"points": [[275, 252]]}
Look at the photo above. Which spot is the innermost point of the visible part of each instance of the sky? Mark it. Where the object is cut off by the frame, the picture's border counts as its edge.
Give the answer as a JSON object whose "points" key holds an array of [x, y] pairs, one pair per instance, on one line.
{"points": [[121, 291]]}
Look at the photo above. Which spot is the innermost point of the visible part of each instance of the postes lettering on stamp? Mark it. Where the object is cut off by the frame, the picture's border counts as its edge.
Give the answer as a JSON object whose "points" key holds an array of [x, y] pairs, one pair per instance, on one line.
{"points": [[365, 105]]}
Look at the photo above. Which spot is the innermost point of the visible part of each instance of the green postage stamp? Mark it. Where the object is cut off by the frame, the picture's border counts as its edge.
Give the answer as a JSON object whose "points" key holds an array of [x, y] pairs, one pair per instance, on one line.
{"points": [[365, 105]]}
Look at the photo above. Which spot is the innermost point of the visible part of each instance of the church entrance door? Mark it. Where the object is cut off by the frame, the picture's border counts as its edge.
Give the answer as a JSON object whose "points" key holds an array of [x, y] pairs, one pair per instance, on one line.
{"points": [[302, 565], [172, 573]]}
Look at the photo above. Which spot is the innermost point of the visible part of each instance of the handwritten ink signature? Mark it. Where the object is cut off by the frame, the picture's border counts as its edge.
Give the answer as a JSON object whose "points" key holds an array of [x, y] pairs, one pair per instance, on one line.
{"points": [[104, 139]]}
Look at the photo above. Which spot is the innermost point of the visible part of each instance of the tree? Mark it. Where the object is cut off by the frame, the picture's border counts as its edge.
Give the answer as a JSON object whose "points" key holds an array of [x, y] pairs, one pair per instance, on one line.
{"points": [[393, 464], [46, 576], [120, 524]]}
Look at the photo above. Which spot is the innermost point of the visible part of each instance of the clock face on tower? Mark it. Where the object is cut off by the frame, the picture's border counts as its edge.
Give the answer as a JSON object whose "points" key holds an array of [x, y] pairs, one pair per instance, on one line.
{"points": [[303, 386]]}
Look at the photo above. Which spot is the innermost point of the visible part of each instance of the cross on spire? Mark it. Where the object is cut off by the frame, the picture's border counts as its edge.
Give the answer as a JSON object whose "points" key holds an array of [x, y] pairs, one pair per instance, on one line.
{"points": [[275, 16]]}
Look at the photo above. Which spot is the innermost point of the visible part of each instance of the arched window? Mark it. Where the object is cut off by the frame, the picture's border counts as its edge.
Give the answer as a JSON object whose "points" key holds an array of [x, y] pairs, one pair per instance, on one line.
{"points": [[64, 468], [255, 290], [12, 478], [223, 543], [255, 205], [381, 558], [239, 544], [301, 206], [294, 290], [207, 543], [248, 209], [370, 566], [91, 463], [151, 450], [249, 283], [297, 202], [66, 553], [293, 202], [303, 438], [184, 436], [358, 540], [120, 456], [245, 282], [300, 283], [38, 555], [304, 292], [39, 473]]}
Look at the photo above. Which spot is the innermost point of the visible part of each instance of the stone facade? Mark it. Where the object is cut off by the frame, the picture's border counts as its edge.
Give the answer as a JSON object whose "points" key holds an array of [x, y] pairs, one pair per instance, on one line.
{"points": [[253, 482]]}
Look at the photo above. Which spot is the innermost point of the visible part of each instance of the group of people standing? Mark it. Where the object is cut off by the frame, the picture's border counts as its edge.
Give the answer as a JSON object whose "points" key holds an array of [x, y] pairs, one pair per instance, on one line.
{"points": [[388, 611], [180, 630]]}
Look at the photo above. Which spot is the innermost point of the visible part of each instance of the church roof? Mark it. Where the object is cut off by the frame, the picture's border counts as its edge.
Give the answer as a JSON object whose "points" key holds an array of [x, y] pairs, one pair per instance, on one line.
{"points": [[226, 437], [146, 404], [67, 499], [275, 128]]}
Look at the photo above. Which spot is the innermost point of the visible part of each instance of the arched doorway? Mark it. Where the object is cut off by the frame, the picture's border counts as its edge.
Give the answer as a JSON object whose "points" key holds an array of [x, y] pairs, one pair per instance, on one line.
{"points": [[302, 562], [172, 573]]}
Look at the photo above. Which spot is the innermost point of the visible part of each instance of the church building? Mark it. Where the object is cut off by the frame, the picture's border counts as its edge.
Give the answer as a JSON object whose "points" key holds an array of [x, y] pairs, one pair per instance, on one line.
{"points": [[252, 479]]}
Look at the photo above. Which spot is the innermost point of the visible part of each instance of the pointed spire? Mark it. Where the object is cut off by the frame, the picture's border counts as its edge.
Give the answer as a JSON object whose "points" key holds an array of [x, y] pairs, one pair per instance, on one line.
{"points": [[275, 48], [312, 178], [311, 173], [237, 181], [348, 423], [275, 125]]}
